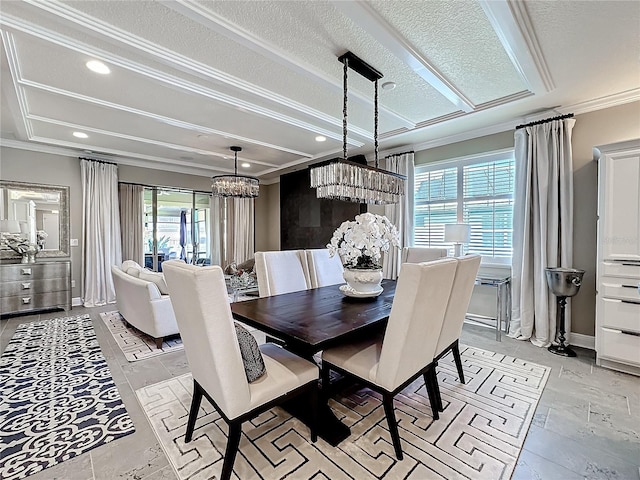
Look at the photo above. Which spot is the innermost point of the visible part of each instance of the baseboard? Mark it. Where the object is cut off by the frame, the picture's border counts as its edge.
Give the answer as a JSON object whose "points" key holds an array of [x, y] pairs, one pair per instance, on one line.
{"points": [[584, 341], [76, 302]]}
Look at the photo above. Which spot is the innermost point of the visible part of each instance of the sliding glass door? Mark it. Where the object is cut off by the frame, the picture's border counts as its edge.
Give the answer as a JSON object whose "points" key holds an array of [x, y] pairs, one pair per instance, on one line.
{"points": [[177, 226]]}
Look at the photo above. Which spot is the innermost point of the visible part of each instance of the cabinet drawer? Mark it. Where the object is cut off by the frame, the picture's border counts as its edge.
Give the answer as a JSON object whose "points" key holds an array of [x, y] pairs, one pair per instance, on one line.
{"points": [[622, 288], [620, 315], [621, 269], [30, 286], [20, 271], [36, 301], [618, 346]]}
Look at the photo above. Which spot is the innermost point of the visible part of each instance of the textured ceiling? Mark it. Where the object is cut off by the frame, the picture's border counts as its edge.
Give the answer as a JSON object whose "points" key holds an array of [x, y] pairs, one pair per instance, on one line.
{"points": [[191, 78]]}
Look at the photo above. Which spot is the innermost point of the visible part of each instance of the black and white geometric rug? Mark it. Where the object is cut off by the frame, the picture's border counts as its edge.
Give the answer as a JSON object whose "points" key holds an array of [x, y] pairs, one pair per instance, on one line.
{"points": [[478, 436], [57, 395], [137, 345]]}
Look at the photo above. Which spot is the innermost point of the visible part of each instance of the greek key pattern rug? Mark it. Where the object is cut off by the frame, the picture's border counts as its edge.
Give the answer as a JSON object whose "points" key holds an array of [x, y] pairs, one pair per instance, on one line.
{"points": [[57, 395], [478, 436], [137, 345]]}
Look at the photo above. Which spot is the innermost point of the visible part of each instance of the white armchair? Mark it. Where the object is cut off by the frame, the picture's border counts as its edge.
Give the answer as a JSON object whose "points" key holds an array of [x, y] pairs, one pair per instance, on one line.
{"points": [[211, 345], [387, 365], [142, 304]]}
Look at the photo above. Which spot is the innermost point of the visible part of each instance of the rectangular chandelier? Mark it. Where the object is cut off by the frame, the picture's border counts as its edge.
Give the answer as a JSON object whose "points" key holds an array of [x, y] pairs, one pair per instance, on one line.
{"points": [[340, 179]]}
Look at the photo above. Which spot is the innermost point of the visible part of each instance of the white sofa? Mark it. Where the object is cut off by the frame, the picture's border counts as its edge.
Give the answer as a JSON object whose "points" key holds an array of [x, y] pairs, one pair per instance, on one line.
{"points": [[141, 303]]}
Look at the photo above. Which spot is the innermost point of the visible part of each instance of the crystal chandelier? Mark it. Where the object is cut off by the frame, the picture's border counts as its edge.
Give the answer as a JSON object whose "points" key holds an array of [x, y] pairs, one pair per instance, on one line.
{"points": [[341, 179], [235, 185]]}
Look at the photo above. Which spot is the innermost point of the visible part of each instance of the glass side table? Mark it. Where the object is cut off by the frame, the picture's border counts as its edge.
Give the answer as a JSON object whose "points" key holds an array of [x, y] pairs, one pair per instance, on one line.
{"points": [[502, 284]]}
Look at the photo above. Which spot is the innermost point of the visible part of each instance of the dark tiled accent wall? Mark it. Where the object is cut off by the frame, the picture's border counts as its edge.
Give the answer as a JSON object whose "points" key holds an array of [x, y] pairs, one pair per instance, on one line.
{"points": [[305, 220]]}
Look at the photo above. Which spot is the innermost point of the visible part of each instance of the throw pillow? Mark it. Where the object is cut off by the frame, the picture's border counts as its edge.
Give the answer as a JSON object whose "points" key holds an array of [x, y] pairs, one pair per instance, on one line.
{"points": [[134, 272], [157, 278], [251, 356]]}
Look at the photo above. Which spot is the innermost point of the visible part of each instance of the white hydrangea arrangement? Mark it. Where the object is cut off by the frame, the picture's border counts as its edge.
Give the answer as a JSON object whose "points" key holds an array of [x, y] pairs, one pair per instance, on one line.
{"points": [[360, 243]]}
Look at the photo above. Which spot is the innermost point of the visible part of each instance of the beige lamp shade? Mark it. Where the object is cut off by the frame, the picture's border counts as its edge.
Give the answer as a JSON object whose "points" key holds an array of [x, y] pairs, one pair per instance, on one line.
{"points": [[9, 226], [457, 233]]}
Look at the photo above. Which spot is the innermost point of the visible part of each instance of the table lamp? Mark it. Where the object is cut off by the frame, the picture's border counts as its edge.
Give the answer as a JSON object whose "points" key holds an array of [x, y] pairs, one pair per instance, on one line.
{"points": [[457, 233]]}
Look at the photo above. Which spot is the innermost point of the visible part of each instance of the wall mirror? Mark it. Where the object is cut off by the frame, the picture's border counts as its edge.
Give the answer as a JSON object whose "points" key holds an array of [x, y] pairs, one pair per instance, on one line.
{"points": [[38, 213]]}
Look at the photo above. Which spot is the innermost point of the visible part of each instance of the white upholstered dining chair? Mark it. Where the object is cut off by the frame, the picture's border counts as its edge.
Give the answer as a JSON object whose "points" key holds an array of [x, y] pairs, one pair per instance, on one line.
{"points": [[457, 310], [405, 352], [200, 301], [323, 269], [281, 272]]}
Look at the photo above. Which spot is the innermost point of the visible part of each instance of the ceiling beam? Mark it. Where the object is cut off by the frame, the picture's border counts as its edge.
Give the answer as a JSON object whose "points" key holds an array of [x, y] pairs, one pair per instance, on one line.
{"points": [[199, 13], [511, 22], [364, 15]]}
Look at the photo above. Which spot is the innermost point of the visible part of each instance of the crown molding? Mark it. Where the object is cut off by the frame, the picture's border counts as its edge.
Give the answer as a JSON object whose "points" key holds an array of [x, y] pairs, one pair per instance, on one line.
{"points": [[18, 100], [601, 103], [123, 158], [180, 62], [512, 25], [370, 21]]}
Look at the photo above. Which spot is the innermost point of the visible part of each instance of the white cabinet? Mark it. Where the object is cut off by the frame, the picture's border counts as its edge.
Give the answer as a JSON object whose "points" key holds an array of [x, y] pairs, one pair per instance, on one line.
{"points": [[618, 275]]}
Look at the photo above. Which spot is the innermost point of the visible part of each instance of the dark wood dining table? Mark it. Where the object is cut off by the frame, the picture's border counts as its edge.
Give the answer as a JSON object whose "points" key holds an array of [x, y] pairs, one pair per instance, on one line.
{"points": [[312, 320]]}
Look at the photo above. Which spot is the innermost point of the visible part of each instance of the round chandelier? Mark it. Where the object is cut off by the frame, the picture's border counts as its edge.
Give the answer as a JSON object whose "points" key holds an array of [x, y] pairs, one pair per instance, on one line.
{"points": [[235, 185]]}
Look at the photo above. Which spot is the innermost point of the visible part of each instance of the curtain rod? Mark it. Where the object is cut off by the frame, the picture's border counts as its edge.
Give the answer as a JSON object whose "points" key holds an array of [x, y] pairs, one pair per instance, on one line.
{"points": [[178, 189], [401, 153], [539, 122], [97, 161]]}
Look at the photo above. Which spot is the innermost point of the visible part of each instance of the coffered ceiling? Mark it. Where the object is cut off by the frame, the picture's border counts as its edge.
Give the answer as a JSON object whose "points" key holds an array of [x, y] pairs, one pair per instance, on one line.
{"points": [[190, 78]]}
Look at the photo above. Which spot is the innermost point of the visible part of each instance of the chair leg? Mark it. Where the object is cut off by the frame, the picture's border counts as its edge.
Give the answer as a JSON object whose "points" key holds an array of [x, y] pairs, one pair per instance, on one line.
{"points": [[393, 425], [159, 342], [235, 429], [436, 389], [458, 360], [428, 384], [314, 414], [193, 412]]}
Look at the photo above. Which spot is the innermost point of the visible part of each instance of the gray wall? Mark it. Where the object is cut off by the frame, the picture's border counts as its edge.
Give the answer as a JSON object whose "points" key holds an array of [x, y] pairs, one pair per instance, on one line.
{"points": [[268, 218]]}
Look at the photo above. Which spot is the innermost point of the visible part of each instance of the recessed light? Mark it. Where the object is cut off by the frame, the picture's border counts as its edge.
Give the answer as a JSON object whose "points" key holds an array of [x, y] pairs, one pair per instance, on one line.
{"points": [[246, 165], [98, 67], [320, 138], [388, 85], [80, 135]]}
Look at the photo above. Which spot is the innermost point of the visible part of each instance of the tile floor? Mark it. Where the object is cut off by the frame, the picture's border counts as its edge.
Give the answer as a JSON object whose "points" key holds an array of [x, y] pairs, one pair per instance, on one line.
{"points": [[587, 425]]}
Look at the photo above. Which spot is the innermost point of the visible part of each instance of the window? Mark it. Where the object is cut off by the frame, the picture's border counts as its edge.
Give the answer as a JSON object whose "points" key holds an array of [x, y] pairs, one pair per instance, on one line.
{"points": [[177, 225], [476, 190]]}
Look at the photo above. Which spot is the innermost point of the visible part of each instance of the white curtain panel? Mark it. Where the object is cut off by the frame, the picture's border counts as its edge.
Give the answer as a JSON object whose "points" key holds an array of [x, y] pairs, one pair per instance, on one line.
{"points": [[542, 226], [217, 230], [101, 231], [400, 214], [131, 200], [240, 229]]}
